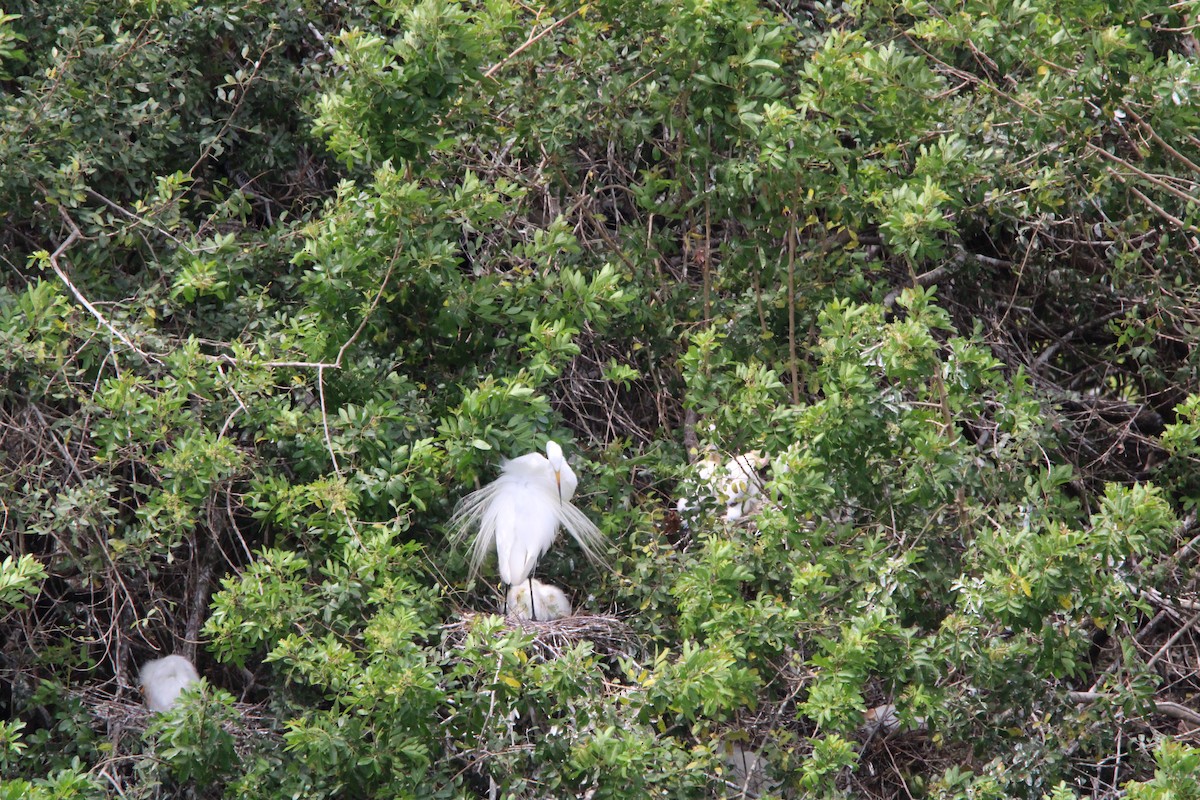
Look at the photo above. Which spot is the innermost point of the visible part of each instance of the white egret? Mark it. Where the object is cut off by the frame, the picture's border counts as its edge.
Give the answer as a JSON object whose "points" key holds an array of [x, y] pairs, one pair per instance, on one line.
{"points": [[164, 678], [519, 513], [883, 719], [549, 601]]}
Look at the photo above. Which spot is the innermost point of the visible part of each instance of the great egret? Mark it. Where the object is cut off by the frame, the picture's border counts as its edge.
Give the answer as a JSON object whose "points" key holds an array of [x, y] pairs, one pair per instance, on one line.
{"points": [[519, 513], [550, 601], [164, 678]]}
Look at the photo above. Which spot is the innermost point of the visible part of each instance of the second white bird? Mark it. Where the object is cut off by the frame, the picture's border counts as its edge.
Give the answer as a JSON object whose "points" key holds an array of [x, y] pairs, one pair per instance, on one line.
{"points": [[164, 678]]}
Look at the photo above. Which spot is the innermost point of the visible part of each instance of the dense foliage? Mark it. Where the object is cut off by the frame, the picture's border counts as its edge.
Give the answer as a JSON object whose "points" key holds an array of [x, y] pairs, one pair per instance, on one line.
{"points": [[283, 282]]}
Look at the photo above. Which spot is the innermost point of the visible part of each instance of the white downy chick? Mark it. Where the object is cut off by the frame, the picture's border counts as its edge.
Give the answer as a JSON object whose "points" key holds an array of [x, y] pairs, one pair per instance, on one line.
{"points": [[706, 474], [734, 484], [748, 770], [549, 602], [164, 678], [740, 486]]}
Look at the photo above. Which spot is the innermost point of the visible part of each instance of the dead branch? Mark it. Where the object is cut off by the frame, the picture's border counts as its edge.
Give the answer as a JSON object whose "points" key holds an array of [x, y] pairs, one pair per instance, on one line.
{"points": [[1165, 707]]}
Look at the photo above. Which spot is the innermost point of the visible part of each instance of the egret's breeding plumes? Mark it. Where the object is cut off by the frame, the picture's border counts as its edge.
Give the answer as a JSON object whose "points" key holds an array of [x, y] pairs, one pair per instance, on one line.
{"points": [[550, 601], [519, 513], [164, 678]]}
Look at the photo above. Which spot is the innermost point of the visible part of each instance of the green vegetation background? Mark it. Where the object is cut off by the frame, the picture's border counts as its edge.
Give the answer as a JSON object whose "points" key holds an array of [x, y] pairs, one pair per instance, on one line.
{"points": [[284, 281]]}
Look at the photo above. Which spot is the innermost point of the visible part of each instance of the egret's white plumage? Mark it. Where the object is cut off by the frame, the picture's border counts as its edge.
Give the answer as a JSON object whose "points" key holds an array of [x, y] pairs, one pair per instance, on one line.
{"points": [[164, 678], [735, 484], [519, 514], [741, 487], [550, 602], [885, 720]]}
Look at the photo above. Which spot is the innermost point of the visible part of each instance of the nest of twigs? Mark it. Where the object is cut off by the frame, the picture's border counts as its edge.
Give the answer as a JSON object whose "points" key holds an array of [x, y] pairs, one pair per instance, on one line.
{"points": [[609, 634], [119, 715]]}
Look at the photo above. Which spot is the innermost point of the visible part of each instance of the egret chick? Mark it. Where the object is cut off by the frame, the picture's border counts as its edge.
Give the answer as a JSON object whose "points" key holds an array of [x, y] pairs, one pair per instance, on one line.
{"points": [[735, 484], [748, 770], [519, 514], [550, 601], [740, 485], [164, 678], [885, 720]]}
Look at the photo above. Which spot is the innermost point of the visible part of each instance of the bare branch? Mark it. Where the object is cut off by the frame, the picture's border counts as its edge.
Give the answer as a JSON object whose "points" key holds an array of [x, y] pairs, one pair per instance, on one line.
{"points": [[529, 42], [95, 312], [1164, 707]]}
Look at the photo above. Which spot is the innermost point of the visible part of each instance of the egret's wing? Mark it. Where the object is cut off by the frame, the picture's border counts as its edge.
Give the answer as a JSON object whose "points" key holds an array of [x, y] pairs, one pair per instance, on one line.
{"points": [[582, 530], [510, 550], [477, 512], [535, 524]]}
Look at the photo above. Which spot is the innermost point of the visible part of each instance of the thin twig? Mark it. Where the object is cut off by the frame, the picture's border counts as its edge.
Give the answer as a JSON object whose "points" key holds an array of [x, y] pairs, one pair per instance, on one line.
{"points": [[1161, 142], [137, 218], [1162, 212], [325, 421], [1049, 352], [530, 42], [1187, 626], [1159, 182], [243, 92]]}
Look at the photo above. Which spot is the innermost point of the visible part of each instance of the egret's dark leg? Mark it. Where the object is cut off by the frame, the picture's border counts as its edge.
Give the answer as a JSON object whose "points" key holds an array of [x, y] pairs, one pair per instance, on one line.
{"points": [[532, 610], [505, 602]]}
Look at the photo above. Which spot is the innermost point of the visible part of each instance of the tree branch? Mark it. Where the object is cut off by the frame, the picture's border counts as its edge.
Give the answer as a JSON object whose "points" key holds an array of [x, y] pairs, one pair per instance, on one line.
{"points": [[95, 312], [1164, 707], [530, 42]]}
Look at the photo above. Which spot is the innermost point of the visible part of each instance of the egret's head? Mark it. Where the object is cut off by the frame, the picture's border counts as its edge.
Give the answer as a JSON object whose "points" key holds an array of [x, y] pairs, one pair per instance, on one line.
{"points": [[554, 455]]}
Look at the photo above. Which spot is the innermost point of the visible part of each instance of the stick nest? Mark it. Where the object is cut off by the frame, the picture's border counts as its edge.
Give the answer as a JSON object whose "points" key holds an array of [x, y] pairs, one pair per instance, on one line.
{"points": [[248, 726], [609, 634]]}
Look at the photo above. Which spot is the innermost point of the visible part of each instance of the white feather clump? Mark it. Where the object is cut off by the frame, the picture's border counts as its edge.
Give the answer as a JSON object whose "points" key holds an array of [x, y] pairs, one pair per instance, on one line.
{"points": [[735, 484], [549, 602], [164, 678], [885, 720], [742, 487]]}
